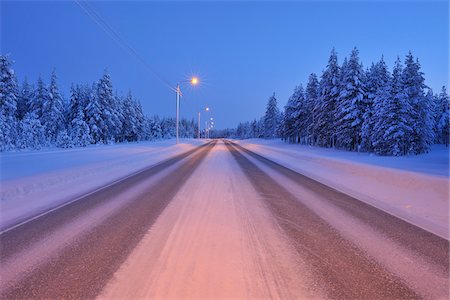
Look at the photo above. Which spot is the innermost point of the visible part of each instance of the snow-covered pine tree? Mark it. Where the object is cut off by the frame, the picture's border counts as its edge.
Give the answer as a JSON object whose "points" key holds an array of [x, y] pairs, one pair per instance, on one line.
{"points": [[443, 123], [63, 140], [392, 117], [75, 104], [117, 118], [433, 99], [24, 100], [155, 128], [291, 115], [52, 117], [254, 128], [301, 122], [130, 123], [31, 132], [40, 96], [94, 117], [168, 127], [8, 104], [378, 80], [271, 118], [109, 124], [326, 106], [421, 115], [140, 119], [79, 130], [280, 127], [120, 118], [350, 108], [311, 102]]}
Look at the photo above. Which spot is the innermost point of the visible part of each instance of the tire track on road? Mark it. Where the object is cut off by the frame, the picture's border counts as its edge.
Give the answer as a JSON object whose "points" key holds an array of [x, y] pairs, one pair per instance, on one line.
{"points": [[406, 234], [340, 267]]}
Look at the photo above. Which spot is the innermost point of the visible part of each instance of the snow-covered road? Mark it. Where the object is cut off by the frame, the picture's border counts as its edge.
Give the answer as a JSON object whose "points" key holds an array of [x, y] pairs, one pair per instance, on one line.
{"points": [[220, 221]]}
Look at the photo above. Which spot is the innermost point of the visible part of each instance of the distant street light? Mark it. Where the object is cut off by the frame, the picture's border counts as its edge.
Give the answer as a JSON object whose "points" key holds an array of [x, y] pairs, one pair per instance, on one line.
{"points": [[193, 81], [198, 124]]}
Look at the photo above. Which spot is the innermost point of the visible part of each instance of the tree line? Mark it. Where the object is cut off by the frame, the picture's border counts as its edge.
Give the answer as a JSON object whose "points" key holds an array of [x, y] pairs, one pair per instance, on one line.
{"points": [[34, 116], [372, 110]]}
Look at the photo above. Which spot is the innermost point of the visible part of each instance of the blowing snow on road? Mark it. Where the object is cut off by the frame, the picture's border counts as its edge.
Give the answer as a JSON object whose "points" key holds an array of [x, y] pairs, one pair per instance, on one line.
{"points": [[220, 221]]}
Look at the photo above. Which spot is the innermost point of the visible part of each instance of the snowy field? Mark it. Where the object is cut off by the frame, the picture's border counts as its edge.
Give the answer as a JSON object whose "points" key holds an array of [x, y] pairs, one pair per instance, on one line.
{"points": [[33, 181], [414, 188]]}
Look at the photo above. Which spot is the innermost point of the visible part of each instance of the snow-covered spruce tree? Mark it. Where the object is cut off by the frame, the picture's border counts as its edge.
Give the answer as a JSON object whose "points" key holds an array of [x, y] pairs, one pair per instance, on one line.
{"points": [[24, 100], [8, 104], [350, 108], [63, 140], [40, 96], [75, 104], [291, 115], [254, 129], [311, 102], [421, 115], [118, 101], [94, 117], [118, 118], [52, 117], [280, 127], [443, 123], [271, 118], [79, 130], [241, 131], [326, 106], [377, 79], [109, 120], [155, 128], [140, 119], [31, 132], [244, 130], [130, 123], [433, 99], [168, 127], [301, 122], [392, 117]]}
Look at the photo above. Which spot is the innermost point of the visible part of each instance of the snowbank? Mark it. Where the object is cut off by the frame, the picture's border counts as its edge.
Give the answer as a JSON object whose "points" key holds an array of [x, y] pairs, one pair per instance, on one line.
{"points": [[34, 181], [415, 189]]}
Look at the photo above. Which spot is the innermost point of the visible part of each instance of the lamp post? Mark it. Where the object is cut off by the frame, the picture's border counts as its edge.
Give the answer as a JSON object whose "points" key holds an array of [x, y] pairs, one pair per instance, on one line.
{"points": [[199, 135], [193, 81], [209, 124]]}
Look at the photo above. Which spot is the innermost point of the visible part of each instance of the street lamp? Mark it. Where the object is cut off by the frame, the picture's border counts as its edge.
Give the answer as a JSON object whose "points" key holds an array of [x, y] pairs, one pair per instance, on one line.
{"points": [[198, 123], [209, 124], [193, 81]]}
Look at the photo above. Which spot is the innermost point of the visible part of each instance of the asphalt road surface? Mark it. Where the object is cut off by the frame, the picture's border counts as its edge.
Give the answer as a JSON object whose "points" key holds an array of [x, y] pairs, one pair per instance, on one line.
{"points": [[220, 221]]}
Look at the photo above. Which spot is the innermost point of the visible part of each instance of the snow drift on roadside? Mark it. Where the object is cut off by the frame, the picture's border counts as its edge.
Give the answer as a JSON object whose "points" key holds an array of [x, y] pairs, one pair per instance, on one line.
{"points": [[34, 181]]}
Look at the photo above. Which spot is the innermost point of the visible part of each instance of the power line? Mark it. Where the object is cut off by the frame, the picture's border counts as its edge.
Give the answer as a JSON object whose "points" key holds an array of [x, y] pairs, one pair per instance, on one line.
{"points": [[101, 22]]}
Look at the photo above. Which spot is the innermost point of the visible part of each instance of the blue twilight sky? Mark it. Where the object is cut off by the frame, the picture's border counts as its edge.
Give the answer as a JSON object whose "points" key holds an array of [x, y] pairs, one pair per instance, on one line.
{"points": [[243, 51]]}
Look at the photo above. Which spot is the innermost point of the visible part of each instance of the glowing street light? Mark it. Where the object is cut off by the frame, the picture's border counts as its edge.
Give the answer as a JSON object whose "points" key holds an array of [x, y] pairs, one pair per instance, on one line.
{"points": [[194, 81]]}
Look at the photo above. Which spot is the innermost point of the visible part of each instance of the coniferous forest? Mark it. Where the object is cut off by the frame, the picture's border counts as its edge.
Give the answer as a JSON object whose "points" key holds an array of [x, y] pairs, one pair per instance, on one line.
{"points": [[356, 109], [36, 115], [348, 107]]}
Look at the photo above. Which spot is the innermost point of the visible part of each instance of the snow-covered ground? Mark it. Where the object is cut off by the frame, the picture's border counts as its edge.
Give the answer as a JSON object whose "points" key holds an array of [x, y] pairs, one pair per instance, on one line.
{"points": [[414, 188], [33, 181]]}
